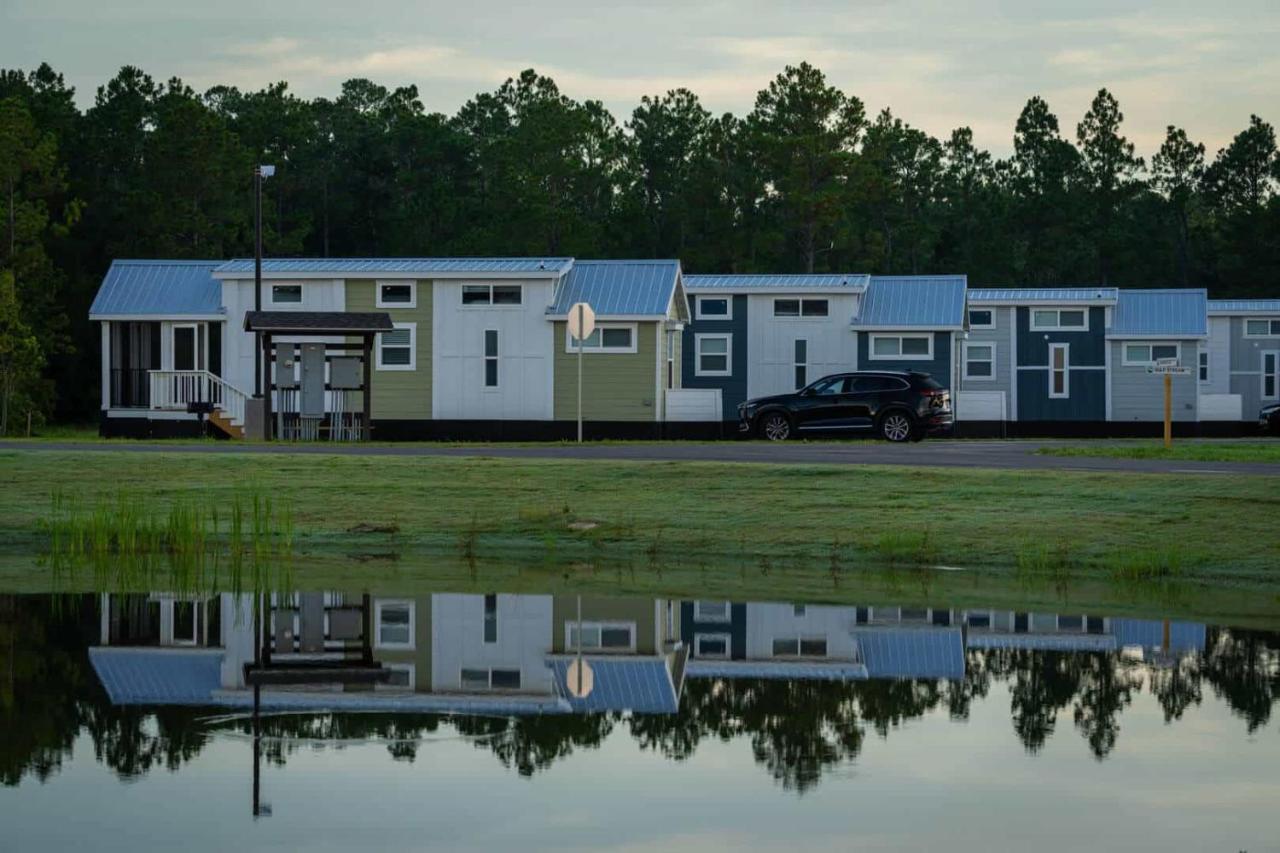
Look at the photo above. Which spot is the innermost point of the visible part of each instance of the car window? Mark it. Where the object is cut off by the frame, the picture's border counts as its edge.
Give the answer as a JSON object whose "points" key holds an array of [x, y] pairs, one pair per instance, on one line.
{"points": [[867, 384], [834, 385]]}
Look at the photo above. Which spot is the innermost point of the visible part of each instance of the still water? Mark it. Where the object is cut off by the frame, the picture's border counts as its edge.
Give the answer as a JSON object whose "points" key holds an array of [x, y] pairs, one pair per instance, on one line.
{"points": [[331, 721]]}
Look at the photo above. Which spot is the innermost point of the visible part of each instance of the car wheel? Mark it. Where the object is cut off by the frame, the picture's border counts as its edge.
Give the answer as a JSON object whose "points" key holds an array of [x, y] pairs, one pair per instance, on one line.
{"points": [[775, 426], [896, 426]]}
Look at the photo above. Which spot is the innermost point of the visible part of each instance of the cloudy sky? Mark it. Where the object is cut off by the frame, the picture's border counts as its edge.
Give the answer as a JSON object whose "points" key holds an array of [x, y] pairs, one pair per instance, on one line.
{"points": [[1205, 66]]}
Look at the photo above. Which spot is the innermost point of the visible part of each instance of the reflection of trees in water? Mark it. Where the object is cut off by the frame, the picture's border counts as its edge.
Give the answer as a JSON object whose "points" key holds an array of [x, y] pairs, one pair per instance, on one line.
{"points": [[797, 730]]}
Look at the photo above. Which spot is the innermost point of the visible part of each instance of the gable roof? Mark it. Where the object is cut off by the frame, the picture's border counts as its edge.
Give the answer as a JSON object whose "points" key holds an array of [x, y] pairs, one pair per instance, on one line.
{"points": [[913, 302], [912, 652], [640, 685], [399, 267], [137, 676], [1174, 313], [1044, 295], [1244, 306], [836, 282], [169, 289], [643, 289]]}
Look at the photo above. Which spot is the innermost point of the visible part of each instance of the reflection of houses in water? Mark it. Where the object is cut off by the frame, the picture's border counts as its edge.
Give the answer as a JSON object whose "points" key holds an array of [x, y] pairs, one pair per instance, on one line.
{"points": [[444, 653]]}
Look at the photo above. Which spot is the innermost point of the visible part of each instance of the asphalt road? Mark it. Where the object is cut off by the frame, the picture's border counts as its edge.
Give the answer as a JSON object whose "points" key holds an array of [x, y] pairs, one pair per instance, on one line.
{"points": [[1013, 455]]}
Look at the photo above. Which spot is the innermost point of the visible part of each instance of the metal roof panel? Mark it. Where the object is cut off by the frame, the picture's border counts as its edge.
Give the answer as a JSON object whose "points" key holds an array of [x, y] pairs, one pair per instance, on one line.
{"points": [[1172, 313], [912, 652], [133, 676], [158, 289], [618, 288], [399, 266], [621, 684], [1244, 306], [1043, 294], [854, 282], [924, 301]]}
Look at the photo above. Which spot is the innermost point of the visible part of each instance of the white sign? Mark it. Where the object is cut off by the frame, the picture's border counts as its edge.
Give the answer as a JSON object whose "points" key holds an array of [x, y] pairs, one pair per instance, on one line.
{"points": [[1171, 369], [582, 321], [1166, 362]]}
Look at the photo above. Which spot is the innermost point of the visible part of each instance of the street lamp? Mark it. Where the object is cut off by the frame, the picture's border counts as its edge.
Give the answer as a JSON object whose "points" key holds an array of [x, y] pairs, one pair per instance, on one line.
{"points": [[260, 173]]}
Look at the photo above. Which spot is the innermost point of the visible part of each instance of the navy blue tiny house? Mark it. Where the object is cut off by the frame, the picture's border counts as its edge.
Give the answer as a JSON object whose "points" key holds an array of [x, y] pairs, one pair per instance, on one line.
{"points": [[714, 629], [1061, 363], [909, 323], [714, 348]]}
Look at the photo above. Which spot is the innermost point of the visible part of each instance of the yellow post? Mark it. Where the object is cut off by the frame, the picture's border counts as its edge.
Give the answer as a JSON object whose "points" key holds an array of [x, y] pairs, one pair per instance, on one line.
{"points": [[1168, 411]]}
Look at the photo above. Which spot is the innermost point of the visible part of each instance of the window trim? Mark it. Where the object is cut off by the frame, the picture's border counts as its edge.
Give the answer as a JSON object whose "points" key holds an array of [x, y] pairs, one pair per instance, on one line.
{"points": [[400, 666], [800, 640], [1274, 375], [1066, 370], [970, 377], [973, 325], [271, 295], [728, 354], [699, 616], [571, 346], [413, 293], [381, 604], [797, 366], [1057, 327], [490, 305], [800, 301], [1270, 321], [727, 639], [1203, 367], [1150, 345], [697, 307], [900, 337], [490, 670], [496, 358], [600, 625], [413, 350]]}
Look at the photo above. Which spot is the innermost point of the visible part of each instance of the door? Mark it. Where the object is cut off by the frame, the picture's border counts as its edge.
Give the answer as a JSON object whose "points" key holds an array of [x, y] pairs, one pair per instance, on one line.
{"points": [[188, 348], [1271, 375]]}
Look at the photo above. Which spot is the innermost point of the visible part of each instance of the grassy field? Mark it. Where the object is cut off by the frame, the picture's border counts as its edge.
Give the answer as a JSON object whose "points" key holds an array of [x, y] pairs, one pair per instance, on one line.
{"points": [[1190, 451]]}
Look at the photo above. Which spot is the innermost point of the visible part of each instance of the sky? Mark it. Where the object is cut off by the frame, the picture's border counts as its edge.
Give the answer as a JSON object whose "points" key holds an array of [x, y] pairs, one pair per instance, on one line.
{"points": [[939, 65]]}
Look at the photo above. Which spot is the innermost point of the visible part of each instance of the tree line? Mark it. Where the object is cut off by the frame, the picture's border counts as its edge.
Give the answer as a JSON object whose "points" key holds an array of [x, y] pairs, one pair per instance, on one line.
{"points": [[807, 181]]}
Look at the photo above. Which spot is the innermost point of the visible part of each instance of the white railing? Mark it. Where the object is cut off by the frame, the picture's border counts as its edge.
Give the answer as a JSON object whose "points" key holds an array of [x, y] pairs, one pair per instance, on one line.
{"points": [[177, 389]]}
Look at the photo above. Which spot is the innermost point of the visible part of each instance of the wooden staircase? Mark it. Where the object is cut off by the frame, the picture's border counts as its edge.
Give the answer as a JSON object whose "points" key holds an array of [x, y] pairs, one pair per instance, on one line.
{"points": [[200, 391], [223, 422]]}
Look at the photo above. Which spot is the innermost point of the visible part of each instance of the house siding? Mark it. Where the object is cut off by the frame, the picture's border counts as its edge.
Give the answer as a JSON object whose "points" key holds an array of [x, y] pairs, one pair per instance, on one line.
{"points": [[771, 345], [733, 388], [1246, 367], [998, 337], [736, 628], [615, 386], [1087, 380], [939, 367], [1139, 396], [400, 394], [641, 611]]}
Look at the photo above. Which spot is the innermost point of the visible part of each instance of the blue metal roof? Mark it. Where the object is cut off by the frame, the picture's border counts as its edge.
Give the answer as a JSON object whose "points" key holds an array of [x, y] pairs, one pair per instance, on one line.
{"points": [[618, 288], [912, 652], [855, 282], [400, 266], [158, 289], [913, 301], [133, 676], [1160, 313], [1043, 294], [1244, 306], [1149, 633], [642, 685], [791, 670], [1043, 642]]}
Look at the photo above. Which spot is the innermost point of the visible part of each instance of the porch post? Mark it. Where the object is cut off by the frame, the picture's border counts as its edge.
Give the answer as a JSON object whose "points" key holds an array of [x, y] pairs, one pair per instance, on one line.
{"points": [[106, 365], [266, 386], [367, 392]]}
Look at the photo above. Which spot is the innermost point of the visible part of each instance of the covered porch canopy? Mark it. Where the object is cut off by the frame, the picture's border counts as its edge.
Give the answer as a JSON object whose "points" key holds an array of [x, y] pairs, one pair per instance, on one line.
{"points": [[270, 325]]}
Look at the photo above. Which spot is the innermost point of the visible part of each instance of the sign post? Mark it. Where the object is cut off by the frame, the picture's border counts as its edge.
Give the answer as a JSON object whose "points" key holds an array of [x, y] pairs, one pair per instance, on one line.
{"points": [[1167, 368], [582, 322]]}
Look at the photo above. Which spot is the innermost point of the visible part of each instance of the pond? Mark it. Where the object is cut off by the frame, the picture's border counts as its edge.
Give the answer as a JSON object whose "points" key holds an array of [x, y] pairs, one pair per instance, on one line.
{"points": [[325, 720]]}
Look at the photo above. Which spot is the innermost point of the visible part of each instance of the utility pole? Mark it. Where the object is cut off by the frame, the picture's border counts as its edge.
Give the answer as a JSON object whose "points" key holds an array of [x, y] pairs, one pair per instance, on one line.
{"points": [[260, 173]]}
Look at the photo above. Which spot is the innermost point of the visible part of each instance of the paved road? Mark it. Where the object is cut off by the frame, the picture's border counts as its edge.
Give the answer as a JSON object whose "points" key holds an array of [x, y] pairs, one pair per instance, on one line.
{"points": [[1018, 455]]}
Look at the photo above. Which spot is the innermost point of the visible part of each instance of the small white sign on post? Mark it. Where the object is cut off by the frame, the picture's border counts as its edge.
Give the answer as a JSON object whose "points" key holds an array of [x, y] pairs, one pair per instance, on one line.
{"points": [[1169, 370], [582, 322]]}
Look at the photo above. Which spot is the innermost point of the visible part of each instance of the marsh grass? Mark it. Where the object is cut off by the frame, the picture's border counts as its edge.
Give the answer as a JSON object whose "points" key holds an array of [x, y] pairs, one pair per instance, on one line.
{"points": [[906, 547]]}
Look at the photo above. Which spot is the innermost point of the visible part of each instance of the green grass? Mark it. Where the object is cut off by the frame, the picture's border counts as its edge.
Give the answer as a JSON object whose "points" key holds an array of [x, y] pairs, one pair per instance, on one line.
{"points": [[1188, 451]]}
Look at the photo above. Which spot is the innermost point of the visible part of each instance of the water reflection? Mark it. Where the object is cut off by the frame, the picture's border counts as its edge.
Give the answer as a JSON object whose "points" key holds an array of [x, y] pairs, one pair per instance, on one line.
{"points": [[153, 679]]}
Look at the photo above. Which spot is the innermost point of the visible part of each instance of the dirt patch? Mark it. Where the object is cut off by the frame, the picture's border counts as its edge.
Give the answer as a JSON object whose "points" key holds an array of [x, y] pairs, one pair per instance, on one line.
{"points": [[366, 527]]}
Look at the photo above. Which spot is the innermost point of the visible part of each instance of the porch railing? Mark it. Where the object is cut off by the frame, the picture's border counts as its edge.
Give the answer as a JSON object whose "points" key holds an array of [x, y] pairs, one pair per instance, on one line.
{"points": [[176, 390]]}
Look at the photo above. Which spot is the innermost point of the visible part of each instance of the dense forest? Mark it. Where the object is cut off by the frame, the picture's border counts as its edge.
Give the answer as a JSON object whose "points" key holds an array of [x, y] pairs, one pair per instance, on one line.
{"points": [[807, 181]]}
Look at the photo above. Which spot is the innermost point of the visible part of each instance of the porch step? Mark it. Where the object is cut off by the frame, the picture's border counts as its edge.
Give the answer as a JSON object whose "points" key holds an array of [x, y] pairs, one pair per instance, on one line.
{"points": [[223, 421]]}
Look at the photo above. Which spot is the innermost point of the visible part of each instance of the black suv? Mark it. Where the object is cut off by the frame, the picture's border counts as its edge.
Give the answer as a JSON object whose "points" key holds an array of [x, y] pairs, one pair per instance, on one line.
{"points": [[898, 406]]}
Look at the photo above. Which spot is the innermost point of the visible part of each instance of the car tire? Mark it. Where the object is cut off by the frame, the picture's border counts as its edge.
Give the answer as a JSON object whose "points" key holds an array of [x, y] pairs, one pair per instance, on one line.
{"points": [[774, 426], [896, 426]]}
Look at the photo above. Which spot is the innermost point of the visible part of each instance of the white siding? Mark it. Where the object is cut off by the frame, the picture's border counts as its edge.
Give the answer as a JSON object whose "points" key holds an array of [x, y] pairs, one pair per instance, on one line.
{"points": [[524, 639], [766, 622], [237, 299], [525, 364], [1139, 396], [1219, 349], [832, 345]]}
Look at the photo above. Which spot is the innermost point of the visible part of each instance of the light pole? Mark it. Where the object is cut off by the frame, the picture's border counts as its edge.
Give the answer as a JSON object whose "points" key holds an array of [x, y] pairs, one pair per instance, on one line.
{"points": [[260, 173]]}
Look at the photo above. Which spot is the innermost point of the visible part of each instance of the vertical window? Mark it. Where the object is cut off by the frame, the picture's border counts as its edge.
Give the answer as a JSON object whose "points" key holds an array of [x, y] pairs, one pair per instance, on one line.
{"points": [[1204, 367], [491, 618], [713, 353], [802, 363], [396, 348], [1059, 365], [671, 360], [1269, 374], [491, 358]]}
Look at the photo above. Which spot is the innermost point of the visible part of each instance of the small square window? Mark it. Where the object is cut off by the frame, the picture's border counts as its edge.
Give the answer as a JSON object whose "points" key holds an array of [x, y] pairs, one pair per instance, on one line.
{"points": [[713, 307], [814, 308], [915, 346], [711, 646], [505, 679], [813, 647], [476, 294], [616, 338], [1071, 319], [786, 307], [395, 348], [786, 647], [475, 679], [286, 294], [1257, 328], [507, 294], [397, 295], [712, 355], [981, 318]]}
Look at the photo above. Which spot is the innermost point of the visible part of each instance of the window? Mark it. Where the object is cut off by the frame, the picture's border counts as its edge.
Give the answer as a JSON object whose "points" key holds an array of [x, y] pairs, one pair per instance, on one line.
{"points": [[492, 294], [397, 294], [608, 337], [491, 618], [1204, 367], [713, 353], [601, 636], [978, 620], [980, 361], [396, 349], [185, 623], [711, 646], [1060, 319], [982, 318], [908, 347], [401, 676], [715, 307], [491, 358], [801, 307], [394, 624], [830, 386], [490, 679], [1070, 623], [711, 611], [1270, 375], [802, 363], [806, 647], [1262, 328], [1059, 367], [286, 294], [799, 610], [1145, 354], [872, 384]]}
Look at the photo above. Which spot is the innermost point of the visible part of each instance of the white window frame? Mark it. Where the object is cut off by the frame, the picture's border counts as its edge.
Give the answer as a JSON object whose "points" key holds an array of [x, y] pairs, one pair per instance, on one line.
{"points": [[899, 337], [601, 626], [973, 325], [410, 668], [728, 300], [990, 345], [1150, 345], [799, 639], [727, 639], [413, 350], [797, 365], [199, 352], [490, 305], [700, 616], [490, 670], [271, 294], [413, 294], [571, 346], [385, 603], [800, 301], [1274, 375], [728, 354], [196, 608], [496, 358], [1058, 327], [1066, 371], [1270, 321], [1204, 365]]}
